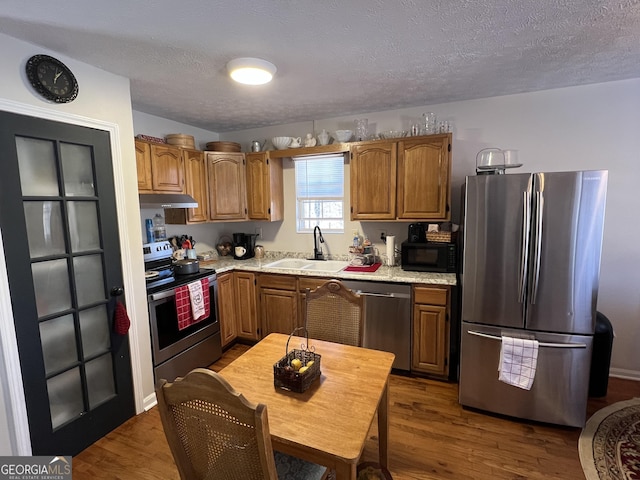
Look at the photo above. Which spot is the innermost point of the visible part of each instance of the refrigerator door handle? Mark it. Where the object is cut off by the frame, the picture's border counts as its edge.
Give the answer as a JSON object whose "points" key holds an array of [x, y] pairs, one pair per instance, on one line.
{"points": [[524, 247], [537, 246], [540, 344]]}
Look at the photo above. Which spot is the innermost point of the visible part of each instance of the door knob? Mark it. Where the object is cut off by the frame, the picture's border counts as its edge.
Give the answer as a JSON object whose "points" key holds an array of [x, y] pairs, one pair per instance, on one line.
{"points": [[117, 291]]}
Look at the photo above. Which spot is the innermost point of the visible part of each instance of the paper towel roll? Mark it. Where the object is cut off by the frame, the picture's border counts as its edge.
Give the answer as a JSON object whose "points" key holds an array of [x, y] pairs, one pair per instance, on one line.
{"points": [[391, 250]]}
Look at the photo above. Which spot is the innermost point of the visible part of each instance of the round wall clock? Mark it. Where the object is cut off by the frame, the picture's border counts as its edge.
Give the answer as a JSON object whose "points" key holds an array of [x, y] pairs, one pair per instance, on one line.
{"points": [[52, 79]]}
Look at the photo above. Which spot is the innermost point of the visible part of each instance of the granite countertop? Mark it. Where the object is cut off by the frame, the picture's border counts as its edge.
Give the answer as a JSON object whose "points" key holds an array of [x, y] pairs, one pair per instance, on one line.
{"points": [[383, 274]]}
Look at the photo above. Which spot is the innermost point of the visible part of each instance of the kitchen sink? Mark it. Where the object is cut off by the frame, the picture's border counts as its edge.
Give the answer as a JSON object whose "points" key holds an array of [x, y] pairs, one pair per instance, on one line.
{"points": [[330, 266], [290, 263]]}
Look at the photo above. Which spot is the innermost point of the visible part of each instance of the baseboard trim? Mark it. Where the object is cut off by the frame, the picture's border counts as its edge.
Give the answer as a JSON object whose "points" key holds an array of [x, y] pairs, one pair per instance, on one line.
{"points": [[626, 374], [149, 402]]}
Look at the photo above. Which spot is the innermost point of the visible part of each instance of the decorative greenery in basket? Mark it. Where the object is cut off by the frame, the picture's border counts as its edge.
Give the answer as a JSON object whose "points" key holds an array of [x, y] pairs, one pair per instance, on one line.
{"points": [[298, 369]]}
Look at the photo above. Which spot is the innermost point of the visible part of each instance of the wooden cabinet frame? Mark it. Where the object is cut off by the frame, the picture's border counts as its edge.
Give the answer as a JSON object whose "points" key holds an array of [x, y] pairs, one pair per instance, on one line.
{"points": [[227, 186], [159, 167], [404, 179], [265, 192], [431, 313]]}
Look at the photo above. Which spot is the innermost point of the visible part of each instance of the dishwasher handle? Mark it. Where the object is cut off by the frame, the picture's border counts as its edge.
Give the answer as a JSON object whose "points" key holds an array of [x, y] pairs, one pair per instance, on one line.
{"points": [[383, 295]]}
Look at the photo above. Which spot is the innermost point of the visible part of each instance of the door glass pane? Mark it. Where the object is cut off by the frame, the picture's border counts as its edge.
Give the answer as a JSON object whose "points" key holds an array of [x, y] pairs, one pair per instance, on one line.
{"points": [[51, 284], [44, 228], [65, 397], [83, 226], [38, 173], [100, 380], [77, 169], [94, 329], [89, 279], [58, 343]]}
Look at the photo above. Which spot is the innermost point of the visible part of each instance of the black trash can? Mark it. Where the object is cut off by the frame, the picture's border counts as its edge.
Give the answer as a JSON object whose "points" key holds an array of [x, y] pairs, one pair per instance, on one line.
{"points": [[601, 356]]}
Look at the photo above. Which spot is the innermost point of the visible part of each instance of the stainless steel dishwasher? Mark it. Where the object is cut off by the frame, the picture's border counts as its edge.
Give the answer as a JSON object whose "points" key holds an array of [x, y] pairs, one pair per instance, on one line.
{"points": [[387, 322]]}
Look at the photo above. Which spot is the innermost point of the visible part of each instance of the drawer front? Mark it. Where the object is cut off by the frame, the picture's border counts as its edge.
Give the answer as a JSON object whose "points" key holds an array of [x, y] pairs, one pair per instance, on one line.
{"points": [[310, 283], [430, 295], [280, 282]]}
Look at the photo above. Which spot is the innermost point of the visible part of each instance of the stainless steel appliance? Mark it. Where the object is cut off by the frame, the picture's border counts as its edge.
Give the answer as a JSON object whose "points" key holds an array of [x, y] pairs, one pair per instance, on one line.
{"points": [[429, 257], [387, 323], [176, 352], [531, 263]]}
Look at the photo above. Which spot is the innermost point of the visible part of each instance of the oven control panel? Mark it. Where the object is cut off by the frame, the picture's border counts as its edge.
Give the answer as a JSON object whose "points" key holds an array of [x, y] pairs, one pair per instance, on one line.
{"points": [[157, 250]]}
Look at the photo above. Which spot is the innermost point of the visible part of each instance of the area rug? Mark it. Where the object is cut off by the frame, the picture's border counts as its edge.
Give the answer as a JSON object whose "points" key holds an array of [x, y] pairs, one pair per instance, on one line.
{"points": [[609, 444]]}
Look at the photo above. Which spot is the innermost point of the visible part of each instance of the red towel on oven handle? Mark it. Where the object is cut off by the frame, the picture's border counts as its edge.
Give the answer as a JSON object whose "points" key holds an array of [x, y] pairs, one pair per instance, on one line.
{"points": [[183, 305]]}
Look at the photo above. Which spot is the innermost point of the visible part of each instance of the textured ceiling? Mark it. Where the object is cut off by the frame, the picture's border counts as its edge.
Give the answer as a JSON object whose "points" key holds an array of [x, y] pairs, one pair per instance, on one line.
{"points": [[334, 57]]}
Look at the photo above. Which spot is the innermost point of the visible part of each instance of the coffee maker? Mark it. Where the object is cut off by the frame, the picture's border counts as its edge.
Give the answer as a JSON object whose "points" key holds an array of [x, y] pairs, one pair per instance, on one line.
{"points": [[244, 245]]}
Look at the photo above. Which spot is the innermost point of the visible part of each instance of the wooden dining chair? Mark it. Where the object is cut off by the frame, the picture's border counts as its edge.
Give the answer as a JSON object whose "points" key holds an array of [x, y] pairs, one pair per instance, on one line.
{"points": [[214, 432], [334, 314]]}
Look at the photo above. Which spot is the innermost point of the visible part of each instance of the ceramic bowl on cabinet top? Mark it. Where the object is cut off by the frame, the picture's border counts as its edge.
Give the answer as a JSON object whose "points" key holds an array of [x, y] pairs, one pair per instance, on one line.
{"points": [[393, 134], [281, 142], [343, 135]]}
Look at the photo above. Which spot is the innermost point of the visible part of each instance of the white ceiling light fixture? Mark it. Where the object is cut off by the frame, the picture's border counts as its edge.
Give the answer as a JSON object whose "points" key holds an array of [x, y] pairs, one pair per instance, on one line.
{"points": [[251, 71]]}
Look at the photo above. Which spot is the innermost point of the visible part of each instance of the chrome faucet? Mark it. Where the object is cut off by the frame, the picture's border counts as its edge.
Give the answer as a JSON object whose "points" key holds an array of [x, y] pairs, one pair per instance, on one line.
{"points": [[317, 250]]}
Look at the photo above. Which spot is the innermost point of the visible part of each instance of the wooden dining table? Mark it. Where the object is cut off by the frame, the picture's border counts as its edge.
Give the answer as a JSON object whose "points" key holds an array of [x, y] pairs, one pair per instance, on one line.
{"points": [[328, 423]]}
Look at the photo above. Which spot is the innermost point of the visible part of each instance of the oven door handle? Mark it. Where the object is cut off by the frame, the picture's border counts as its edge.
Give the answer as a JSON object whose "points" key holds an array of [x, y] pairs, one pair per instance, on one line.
{"points": [[172, 291], [162, 295]]}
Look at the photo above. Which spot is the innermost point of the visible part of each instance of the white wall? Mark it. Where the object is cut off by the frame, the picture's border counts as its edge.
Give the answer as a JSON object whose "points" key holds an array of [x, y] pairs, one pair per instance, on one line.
{"points": [[578, 128], [103, 98]]}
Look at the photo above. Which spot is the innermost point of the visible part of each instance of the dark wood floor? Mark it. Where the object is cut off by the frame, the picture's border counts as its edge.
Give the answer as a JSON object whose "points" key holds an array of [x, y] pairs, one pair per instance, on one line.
{"points": [[431, 437]]}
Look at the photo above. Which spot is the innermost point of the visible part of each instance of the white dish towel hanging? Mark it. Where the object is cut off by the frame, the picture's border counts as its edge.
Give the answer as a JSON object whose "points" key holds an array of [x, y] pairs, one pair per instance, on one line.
{"points": [[197, 300], [518, 362]]}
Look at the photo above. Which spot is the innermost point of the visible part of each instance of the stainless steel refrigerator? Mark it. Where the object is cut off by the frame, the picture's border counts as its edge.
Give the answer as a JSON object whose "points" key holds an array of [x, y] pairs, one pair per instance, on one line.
{"points": [[531, 264]]}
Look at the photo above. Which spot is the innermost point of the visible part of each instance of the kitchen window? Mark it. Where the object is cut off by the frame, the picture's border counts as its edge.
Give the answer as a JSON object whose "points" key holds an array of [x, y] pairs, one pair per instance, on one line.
{"points": [[320, 193]]}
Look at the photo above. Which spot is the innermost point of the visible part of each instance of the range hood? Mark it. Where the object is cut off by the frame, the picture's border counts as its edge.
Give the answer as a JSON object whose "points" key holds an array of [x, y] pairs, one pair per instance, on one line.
{"points": [[167, 200]]}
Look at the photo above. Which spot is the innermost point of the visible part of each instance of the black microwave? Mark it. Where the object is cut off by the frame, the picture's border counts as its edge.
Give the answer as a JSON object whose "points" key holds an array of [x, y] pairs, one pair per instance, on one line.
{"points": [[429, 257]]}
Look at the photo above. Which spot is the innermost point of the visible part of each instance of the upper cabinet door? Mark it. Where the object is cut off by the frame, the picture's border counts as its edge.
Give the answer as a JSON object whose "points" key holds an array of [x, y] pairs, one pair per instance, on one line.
{"points": [[424, 169], [265, 199], [166, 169], [227, 193], [373, 185], [195, 171], [143, 166]]}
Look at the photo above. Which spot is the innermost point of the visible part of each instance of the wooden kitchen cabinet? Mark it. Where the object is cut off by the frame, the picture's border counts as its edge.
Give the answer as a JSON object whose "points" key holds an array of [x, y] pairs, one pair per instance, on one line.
{"points": [[265, 193], [227, 308], [424, 178], [246, 305], [373, 186], [431, 310], [195, 174], [143, 166], [162, 164], [278, 303], [404, 179], [227, 192]]}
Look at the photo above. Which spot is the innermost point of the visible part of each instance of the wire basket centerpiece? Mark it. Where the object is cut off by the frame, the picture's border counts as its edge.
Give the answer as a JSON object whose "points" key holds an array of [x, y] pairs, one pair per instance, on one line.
{"points": [[299, 368]]}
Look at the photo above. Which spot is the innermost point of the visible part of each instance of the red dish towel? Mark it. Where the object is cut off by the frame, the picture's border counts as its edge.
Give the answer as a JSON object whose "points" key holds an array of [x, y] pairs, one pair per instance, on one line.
{"points": [[363, 268], [183, 305], [121, 322]]}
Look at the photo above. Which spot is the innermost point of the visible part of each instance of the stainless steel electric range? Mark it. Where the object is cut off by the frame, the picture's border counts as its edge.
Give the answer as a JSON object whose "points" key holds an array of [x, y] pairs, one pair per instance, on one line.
{"points": [[176, 352]]}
